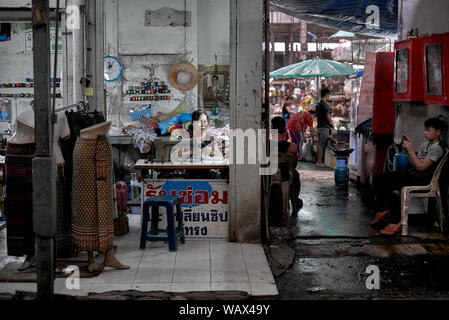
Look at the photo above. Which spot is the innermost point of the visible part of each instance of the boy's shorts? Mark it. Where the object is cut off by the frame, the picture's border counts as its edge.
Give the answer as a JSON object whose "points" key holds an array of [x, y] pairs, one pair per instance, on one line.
{"points": [[323, 137]]}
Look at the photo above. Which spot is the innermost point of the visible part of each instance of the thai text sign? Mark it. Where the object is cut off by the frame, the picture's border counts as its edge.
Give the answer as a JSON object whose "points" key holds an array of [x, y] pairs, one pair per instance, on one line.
{"points": [[204, 204]]}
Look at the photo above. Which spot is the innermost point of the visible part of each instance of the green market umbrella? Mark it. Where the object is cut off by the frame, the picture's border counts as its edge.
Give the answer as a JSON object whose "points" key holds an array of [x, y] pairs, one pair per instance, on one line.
{"points": [[314, 68]]}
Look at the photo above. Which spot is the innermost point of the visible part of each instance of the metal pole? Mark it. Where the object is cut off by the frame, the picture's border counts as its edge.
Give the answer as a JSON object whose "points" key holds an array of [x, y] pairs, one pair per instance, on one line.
{"points": [[266, 179], [267, 74], [44, 164]]}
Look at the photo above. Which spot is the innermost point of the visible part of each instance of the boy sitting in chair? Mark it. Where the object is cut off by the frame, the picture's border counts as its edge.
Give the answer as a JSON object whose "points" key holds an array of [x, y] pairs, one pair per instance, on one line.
{"points": [[422, 168]]}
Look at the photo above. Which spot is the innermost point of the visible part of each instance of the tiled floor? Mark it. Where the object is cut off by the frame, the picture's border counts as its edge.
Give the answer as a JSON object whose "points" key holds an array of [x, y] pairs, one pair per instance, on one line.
{"points": [[196, 266]]}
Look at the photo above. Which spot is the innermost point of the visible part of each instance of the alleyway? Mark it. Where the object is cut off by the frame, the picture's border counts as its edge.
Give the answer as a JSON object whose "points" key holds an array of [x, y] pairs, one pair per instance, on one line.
{"points": [[333, 246]]}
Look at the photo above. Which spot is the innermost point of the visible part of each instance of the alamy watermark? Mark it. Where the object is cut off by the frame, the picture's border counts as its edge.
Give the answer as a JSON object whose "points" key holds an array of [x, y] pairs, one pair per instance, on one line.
{"points": [[373, 20], [72, 282], [373, 280], [73, 17], [241, 147]]}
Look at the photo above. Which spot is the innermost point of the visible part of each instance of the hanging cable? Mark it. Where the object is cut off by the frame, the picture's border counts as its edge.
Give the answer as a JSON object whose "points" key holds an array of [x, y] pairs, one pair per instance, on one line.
{"points": [[54, 119]]}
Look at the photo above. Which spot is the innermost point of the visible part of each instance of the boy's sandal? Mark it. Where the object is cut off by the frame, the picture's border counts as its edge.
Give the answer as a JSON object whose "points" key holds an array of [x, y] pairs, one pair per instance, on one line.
{"points": [[379, 218], [389, 231]]}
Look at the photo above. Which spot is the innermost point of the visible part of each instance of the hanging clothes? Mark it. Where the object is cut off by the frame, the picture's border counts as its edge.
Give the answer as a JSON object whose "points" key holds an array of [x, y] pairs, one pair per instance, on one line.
{"points": [[64, 243], [76, 121], [92, 226], [19, 199]]}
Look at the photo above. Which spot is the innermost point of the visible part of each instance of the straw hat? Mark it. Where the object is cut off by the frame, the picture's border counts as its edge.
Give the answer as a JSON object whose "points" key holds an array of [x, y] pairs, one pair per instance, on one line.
{"points": [[184, 76]]}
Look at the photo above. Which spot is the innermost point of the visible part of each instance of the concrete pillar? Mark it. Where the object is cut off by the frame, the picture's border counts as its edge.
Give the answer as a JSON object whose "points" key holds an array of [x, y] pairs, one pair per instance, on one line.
{"points": [[303, 40], [95, 53], [78, 62], [246, 105], [291, 55]]}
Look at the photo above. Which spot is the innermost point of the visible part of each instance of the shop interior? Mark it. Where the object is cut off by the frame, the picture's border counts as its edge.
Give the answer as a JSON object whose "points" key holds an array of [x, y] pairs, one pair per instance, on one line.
{"points": [[148, 114], [146, 102]]}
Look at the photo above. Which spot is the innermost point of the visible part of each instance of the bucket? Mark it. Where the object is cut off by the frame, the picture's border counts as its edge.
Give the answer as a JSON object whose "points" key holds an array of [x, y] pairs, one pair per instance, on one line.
{"points": [[401, 162]]}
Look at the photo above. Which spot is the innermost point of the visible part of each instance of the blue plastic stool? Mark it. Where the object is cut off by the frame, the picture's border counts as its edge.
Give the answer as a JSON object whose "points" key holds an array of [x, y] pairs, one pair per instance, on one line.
{"points": [[173, 232]]}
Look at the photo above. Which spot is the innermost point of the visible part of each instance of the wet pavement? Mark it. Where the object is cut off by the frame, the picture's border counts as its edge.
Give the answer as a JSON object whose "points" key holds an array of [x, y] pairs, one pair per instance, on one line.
{"points": [[334, 245]]}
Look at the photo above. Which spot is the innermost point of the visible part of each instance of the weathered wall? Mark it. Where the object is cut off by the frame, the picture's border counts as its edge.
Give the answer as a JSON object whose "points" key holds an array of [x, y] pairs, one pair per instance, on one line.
{"points": [[149, 52], [429, 19]]}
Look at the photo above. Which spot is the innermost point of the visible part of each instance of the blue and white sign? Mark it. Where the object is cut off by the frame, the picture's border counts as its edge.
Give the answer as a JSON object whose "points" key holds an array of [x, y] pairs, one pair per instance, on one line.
{"points": [[204, 204]]}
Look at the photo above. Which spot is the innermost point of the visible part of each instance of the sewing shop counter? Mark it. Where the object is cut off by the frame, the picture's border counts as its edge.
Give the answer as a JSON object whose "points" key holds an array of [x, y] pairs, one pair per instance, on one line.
{"points": [[204, 202]]}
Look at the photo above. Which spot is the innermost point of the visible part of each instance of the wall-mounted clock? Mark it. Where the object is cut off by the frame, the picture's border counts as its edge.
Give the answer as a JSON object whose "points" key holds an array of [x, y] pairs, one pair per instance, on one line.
{"points": [[112, 68]]}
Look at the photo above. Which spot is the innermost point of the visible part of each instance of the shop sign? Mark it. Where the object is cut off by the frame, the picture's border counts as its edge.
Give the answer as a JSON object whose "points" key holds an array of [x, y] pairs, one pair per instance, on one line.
{"points": [[204, 204], [29, 37]]}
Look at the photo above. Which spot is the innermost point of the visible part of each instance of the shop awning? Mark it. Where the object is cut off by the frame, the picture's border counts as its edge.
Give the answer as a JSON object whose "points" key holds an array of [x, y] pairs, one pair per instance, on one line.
{"points": [[346, 15]]}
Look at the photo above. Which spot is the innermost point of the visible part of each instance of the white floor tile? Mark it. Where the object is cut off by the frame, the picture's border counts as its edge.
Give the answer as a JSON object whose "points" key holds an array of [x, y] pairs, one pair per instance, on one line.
{"points": [[192, 261], [5, 287], [116, 276], [260, 276], [167, 263], [187, 287], [159, 255], [228, 286], [195, 245], [264, 289], [192, 275], [155, 275], [22, 286], [229, 276], [135, 254], [146, 287], [252, 249], [132, 263], [101, 288]]}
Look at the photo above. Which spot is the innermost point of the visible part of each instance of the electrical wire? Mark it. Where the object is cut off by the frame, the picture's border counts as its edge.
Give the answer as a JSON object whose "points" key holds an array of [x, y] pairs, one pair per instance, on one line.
{"points": [[55, 66]]}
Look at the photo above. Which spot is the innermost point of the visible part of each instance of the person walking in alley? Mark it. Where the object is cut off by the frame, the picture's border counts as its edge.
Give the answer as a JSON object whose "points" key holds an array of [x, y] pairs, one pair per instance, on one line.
{"points": [[297, 126], [323, 114], [422, 168], [287, 112]]}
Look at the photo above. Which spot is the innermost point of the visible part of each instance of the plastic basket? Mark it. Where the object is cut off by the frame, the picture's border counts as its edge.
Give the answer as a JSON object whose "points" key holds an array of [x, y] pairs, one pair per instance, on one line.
{"points": [[139, 115]]}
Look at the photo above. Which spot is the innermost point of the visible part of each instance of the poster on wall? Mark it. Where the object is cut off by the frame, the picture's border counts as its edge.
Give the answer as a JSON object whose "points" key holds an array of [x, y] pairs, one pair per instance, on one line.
{"points": [[29, 37], [204, 204]]}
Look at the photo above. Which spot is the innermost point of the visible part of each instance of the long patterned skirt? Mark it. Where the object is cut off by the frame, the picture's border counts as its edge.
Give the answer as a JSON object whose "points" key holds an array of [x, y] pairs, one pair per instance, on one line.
{"points": [[64, 242], [92, 194], [19, 199]]}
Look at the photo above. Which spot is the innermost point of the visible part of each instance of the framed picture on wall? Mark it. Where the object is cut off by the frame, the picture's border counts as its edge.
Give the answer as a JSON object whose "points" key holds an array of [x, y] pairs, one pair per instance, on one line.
{"points": [[214, 85], [5, 110]]}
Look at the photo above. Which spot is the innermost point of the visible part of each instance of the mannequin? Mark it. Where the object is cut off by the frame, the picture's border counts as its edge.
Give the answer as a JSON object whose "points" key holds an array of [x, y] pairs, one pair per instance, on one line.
{"points": [[24, 134], [92, 225], [19, 191]]}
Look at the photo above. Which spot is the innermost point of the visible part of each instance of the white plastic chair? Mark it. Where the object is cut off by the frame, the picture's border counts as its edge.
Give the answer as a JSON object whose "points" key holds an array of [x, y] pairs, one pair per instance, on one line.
{"points": [[432, 190]]}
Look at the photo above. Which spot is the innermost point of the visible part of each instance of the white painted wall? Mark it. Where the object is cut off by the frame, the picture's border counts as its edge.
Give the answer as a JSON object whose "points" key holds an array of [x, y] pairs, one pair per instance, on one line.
{"points": [[213, 32], [429, 16], [16, 64]]}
